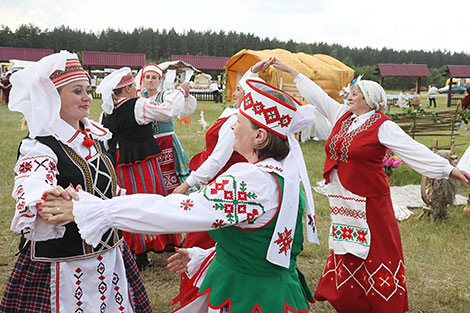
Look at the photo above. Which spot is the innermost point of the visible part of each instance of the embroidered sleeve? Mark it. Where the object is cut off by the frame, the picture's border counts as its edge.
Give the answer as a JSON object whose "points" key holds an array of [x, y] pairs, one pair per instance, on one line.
{"points": [[172, 104], [35, 172], [244, 196]]}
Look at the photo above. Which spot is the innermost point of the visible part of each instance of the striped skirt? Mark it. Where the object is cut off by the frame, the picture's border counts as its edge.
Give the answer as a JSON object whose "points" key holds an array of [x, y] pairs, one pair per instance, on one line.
{"points": [[146, 177], [173, 161]]}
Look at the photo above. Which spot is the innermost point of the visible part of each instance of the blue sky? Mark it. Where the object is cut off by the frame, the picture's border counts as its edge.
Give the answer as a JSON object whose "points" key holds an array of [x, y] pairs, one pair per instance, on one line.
{"points": [[400, 24]]}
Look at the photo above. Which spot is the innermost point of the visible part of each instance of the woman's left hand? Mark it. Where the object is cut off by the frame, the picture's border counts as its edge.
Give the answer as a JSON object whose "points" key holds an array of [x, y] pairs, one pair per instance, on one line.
{"points": [[178, 262], [56, 210], [460, 175]]}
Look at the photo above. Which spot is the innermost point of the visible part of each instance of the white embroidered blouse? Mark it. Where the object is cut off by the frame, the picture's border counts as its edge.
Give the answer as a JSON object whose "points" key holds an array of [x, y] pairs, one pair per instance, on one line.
{"points": [[36, 172], [413, 153]]}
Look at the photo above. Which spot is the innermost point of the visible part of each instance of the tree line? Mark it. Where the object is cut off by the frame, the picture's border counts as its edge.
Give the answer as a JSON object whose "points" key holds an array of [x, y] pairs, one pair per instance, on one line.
{"points": [[158, 45]]}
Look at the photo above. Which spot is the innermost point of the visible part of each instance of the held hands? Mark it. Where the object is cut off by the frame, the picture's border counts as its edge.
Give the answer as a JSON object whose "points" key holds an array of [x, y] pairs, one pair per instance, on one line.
{"points": [[278, 64], [178, 262], [56, 206], [460, 175], [262, 65]]}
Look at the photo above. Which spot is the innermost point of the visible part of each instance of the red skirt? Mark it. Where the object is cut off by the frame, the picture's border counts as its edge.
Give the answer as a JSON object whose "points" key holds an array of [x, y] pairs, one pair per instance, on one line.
{"points": [[166, 159], [376, 284], [146, 177]]}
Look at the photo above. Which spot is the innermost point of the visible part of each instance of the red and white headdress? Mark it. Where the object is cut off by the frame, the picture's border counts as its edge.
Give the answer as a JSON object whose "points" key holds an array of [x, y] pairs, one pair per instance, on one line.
{"points": [[34, 91], [266, 110], [120, 78], [147, 68], [283, 120], [73, 71]]}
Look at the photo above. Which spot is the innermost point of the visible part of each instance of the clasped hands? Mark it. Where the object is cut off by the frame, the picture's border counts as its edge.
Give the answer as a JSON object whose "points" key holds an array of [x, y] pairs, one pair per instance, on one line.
{"points": [[56, 206]]}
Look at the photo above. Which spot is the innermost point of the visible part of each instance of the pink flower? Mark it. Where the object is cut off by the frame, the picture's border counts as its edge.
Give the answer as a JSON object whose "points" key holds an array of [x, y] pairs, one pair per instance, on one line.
{"points": [[388, 162], [388, 151], [396, 162]]}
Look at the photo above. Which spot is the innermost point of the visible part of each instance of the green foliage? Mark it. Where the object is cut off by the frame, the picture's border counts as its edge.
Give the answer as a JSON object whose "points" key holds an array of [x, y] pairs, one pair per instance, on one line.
{"points": [[161, 44]]}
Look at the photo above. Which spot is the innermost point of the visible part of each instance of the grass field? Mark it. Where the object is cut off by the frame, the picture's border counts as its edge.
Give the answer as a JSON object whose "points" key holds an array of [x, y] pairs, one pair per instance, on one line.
{"points": [[437, 254]]}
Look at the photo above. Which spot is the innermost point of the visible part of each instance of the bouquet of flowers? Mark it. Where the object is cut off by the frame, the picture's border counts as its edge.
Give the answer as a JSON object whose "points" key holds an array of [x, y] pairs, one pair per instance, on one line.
{"points": [[391, 161]]}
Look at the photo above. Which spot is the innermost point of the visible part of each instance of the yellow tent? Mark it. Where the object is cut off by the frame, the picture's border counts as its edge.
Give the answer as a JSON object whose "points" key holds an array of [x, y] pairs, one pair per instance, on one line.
{"points": [[329, 73]]}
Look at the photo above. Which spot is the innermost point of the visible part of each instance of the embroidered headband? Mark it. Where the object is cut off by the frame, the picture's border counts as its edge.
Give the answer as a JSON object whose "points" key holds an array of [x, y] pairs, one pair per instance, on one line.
{"points": [[73, 71], [266, 110]]}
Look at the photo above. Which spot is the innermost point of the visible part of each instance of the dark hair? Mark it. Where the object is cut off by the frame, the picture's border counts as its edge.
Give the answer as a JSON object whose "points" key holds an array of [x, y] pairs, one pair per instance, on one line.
{"points": [[273, 147]]}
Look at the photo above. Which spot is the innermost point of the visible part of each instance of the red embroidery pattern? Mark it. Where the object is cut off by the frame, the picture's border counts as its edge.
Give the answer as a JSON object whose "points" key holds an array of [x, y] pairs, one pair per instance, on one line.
{"points": [[349, 233], [284, 241], [270, 167], [346, 198], [271, 115], [78, 290], [384, 280], [218, 224], [344, 139], [357, 214], [27, 166], [234, 199], [186, 204], [118, 296], [102, 286]]}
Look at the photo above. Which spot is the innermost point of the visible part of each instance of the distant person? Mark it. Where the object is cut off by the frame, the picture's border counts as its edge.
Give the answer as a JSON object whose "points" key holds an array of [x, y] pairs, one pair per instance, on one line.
{"points": [[174, 162], [215, 91], [432, 92], [465, 104], [6, 87]]}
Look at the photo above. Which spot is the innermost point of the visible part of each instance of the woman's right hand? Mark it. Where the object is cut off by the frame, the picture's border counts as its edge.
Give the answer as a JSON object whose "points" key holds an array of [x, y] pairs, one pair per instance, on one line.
{"points": [[182, 189]]}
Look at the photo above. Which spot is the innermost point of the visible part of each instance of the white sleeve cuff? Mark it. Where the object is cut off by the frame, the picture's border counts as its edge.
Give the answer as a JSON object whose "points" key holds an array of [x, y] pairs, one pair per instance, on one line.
{"points": [[91, 219]]}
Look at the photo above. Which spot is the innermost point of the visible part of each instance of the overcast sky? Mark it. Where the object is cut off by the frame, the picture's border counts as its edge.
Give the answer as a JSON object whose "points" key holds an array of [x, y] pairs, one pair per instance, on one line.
{"points": [[399, 24]]}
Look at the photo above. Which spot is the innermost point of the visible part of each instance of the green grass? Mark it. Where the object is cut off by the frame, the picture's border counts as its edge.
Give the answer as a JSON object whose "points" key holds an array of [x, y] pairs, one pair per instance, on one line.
{"points": [[437, 254]]}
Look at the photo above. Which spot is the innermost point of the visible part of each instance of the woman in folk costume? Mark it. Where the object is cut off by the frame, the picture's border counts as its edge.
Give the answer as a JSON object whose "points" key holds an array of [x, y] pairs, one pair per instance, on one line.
{"points": [[253, 211], [137, 161], [173, 161], [216, 158], [365, 271], [56, 270]]}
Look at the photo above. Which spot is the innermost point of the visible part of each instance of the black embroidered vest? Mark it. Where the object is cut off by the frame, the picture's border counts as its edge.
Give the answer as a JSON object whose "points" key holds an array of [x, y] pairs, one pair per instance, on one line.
{"points": [[136, 142], [96, 176]]}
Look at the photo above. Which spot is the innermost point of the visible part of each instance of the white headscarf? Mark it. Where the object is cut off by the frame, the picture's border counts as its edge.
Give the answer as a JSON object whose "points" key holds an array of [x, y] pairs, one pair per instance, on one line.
{"points": [[373, 93], [108, 84], [283, 120], [34, 94]]}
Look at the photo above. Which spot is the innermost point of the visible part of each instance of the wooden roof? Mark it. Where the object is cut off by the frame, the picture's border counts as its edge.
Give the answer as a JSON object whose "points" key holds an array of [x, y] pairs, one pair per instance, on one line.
{"points": [[203, 62], [24, 54], [457, 71], [402, 70], [113, 59]]}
